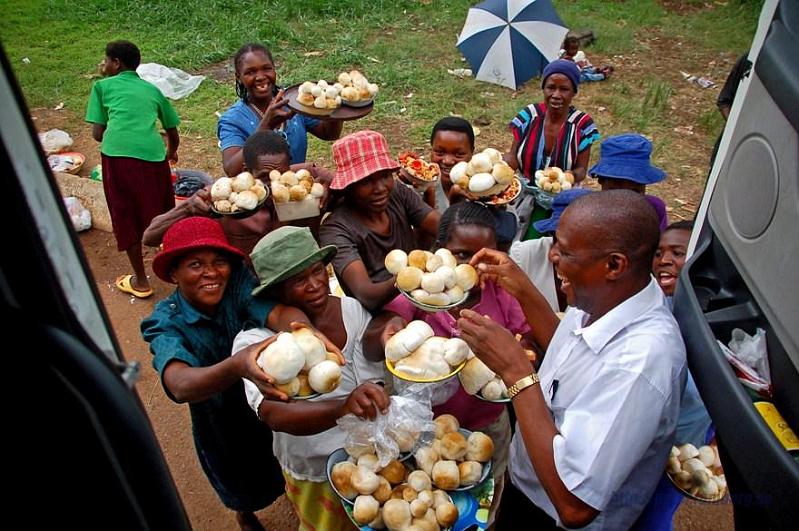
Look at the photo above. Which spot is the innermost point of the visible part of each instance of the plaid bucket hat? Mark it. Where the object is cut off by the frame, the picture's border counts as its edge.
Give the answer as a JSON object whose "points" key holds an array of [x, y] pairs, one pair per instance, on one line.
{"points": [[360, 155], [284, 252]]}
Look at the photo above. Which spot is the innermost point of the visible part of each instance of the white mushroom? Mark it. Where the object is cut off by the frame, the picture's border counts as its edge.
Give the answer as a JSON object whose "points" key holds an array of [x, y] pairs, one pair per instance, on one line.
{"points": [[481, 182], [221, 188], [283, 359], [481, 163], [395, 261], [324, 376], [311, 346]]}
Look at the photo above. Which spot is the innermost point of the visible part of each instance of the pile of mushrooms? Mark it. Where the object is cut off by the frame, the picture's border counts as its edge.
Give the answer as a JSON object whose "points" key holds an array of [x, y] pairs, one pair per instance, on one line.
{"points": [[486, 174], [433, 279], [418, 354], [294, 186], [242, 192], [300, 364], [697, 471]]}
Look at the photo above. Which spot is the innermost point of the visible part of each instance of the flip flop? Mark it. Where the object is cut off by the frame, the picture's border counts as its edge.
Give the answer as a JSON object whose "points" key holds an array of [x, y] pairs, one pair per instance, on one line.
{"points": [[123, 284]]}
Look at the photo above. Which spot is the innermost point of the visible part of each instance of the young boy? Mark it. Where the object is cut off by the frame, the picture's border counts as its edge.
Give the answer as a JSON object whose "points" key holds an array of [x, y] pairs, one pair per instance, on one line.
{"points": [[123, 110], [625, 164], [694, 422]]}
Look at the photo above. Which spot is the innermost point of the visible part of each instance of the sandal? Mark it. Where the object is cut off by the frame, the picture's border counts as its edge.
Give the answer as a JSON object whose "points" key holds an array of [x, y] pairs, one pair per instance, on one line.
{"points": [[124, 285]]}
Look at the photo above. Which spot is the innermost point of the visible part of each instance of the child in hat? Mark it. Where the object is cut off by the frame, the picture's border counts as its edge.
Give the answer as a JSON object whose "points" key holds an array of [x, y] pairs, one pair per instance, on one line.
{"points": [[373, 218], [123, 110], [190, 335], [292, 269], [625, 163]]}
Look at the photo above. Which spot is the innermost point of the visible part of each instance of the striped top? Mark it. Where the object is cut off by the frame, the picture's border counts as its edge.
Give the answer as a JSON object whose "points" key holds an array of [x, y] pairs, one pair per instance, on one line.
{"points": [[576, 134]]}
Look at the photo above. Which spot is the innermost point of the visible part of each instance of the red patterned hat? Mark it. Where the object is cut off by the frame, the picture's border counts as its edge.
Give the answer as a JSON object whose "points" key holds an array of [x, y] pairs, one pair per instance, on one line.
{"points": [[188, 235], [360, 155]]}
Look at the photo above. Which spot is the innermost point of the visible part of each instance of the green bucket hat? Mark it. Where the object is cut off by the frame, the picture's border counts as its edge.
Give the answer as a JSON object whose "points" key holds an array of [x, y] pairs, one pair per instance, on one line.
{"points": [[284, 252]]}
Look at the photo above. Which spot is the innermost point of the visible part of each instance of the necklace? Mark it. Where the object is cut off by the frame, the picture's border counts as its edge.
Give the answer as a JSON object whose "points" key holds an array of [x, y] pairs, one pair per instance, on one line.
{"points": [[257, 110]]}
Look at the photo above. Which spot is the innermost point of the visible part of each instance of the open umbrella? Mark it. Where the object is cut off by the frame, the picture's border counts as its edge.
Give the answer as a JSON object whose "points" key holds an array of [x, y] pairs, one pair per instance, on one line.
{"points": [[508, 42]]}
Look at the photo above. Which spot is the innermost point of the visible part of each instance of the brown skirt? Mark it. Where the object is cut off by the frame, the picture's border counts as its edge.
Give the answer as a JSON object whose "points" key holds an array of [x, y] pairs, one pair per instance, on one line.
{"points": [[136, 191]]}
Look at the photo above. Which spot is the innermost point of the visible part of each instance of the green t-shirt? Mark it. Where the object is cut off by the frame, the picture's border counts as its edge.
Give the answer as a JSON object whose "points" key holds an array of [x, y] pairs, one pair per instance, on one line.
{"points": [[128, 106]]}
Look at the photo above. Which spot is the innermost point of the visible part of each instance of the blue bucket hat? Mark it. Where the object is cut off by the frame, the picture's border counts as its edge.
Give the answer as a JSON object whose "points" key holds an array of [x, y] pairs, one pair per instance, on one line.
{"points": [[565, 67], [627, 157], [559, 204]]}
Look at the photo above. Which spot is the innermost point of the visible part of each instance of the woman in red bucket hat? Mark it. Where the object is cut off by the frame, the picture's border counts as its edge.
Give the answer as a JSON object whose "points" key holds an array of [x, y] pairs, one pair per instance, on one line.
{"points": [[191, 335], [373, 218]]}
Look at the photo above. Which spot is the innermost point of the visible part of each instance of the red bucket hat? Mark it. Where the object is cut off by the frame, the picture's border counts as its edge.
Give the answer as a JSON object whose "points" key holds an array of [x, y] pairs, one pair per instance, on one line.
{"points": [[187, 235], [360, 155]]}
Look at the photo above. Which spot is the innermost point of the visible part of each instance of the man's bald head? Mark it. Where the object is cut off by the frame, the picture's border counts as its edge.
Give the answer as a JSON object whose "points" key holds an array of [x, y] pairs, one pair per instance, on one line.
{"points": [[617, 221]]}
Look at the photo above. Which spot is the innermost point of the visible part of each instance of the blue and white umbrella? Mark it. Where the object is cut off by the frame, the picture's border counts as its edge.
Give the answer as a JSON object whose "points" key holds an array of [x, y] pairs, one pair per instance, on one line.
{"points": [[508, 42]]}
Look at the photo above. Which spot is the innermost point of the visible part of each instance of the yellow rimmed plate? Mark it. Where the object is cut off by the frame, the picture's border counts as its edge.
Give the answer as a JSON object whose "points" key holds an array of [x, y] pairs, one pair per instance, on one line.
{"points": [[402, 376], [431, 308]]}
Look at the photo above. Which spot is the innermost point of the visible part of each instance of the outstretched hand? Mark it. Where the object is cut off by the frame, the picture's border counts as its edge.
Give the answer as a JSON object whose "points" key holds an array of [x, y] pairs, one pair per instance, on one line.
{"points": [[248, 368], [494, 345], [498, 267], [329, 345], [366, 401]]}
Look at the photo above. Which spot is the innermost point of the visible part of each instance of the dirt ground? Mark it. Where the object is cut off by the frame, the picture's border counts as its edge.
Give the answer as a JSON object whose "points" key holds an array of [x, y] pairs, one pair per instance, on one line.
{"points": [[687, 167]]}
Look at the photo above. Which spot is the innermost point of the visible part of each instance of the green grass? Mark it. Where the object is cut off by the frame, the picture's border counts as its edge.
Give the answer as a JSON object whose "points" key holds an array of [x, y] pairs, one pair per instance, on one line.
{"points": [[406, 46]]}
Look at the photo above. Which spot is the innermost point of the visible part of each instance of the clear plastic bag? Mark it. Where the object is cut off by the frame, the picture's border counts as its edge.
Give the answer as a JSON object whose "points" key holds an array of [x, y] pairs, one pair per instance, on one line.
{"points": [[55, 140], [748, 356], [172, 82], [409, 415], [80, 216]]}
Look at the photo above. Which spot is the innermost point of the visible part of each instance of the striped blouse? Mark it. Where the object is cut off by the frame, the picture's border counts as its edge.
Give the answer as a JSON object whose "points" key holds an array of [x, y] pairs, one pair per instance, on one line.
{"points": [[577, 133]]}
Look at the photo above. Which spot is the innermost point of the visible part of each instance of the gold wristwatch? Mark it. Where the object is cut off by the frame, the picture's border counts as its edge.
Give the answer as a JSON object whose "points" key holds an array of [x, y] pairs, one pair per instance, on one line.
{"points": [[522, 384]]}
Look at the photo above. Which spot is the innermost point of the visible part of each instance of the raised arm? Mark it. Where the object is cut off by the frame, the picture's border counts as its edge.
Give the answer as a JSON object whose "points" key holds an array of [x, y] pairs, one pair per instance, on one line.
{"points": [[377, 333], [196, 205], [500, 268], [498, 349], [328, 129], [373, 295], [309, 418], [195, 384]]}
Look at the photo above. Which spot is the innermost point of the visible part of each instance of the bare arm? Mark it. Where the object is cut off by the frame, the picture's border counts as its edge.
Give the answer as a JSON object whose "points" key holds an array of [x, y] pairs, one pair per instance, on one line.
{"points": [[580, 167], [430, 223], [504, 355], [233, 161], [373, 295], [196, 205], [172, 143], [510, 156], [98, 130], [379, 330], [308, 418], [328, 129], [195, 384]]}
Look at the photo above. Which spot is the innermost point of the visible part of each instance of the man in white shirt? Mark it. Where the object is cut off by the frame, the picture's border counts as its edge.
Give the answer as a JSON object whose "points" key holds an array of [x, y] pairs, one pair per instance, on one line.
{"points": [[593, 437]]}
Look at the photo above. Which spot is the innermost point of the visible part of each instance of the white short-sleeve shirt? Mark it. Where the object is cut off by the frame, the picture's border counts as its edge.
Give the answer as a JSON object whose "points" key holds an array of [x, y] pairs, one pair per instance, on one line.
{"points": [[613, 389], [304, 457], [532, 257]]}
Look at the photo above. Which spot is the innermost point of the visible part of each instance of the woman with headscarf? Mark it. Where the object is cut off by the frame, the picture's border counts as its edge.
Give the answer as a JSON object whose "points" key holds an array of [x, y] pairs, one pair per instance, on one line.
{"points": [[550, 133]]}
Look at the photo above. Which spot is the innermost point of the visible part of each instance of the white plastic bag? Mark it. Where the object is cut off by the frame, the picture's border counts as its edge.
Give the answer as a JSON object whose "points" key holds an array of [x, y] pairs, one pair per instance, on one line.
{"points": [[408, 415], [748, 356], [172, 82], [80, 216], [55, 140]]}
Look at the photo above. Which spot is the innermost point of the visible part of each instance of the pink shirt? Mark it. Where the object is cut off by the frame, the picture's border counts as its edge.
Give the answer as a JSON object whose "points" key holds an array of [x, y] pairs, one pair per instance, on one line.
{"points": [[471, 412]]}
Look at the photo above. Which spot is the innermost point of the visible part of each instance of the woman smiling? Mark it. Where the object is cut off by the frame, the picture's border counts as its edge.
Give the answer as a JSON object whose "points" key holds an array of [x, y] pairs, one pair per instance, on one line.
{"points": [[262, 106]]}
